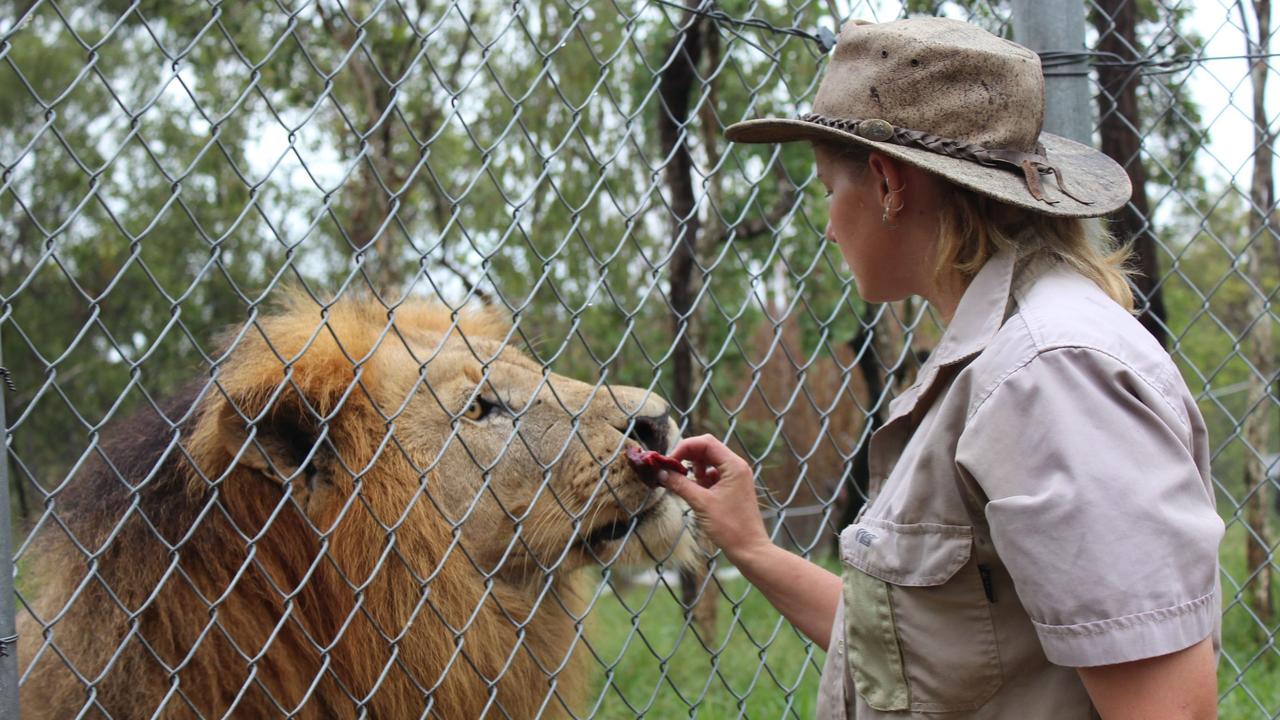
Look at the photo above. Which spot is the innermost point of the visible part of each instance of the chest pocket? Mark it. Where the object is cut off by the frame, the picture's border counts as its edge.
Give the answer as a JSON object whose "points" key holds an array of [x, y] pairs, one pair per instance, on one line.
{"points": [[918, 627]]}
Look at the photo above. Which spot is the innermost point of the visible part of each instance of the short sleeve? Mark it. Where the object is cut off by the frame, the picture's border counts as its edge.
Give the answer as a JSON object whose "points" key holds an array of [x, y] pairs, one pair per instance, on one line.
{"points": [[1097, 507]]}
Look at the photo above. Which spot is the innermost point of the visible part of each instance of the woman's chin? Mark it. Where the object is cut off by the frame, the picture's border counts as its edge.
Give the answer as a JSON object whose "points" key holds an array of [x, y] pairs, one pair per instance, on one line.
{"points": [[869, 292]]}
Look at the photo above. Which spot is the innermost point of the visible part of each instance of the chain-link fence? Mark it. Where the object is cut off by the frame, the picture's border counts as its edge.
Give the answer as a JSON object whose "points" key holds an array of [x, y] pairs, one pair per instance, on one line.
{"points": [[266, 455]]}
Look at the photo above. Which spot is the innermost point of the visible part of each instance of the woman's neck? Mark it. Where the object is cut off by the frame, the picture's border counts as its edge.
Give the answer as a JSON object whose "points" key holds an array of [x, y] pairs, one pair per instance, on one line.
{"points": [[946, 293]]}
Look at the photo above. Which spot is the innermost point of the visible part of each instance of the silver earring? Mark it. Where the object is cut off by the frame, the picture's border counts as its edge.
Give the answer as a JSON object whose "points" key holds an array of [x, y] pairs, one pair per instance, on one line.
{"points": [[889, 207]]}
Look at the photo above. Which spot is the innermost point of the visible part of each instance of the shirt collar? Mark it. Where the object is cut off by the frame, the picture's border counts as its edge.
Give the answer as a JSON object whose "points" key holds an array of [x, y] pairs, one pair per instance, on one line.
{"points": [[977, 319], [980, 313]]}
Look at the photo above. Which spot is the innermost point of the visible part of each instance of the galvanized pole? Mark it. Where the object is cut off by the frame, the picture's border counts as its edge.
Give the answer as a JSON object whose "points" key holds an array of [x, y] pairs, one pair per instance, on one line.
{"points": [[8, 626], [1058, 26]]}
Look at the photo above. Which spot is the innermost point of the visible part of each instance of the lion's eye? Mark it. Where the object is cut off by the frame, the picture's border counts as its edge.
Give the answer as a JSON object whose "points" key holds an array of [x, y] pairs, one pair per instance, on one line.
{"points": [[479, 409]]}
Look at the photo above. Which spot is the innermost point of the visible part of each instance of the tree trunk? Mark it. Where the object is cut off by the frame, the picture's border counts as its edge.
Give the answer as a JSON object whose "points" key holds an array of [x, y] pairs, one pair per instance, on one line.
{"points": [[675, 88], [1258, 337], [1116, 21]]}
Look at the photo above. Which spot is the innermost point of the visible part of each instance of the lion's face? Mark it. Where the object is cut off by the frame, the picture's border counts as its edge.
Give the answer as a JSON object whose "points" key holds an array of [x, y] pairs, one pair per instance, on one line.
{"points": [[527, 465], [531, 465]]}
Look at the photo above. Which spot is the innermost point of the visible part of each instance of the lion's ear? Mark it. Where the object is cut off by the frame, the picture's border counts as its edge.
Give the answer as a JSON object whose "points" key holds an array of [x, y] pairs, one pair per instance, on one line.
{"points": [[276, 441]]}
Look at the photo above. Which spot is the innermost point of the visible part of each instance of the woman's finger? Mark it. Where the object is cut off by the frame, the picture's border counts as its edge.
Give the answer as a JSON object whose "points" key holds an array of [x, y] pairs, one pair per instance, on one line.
{"points": [[699, 469], [705, 448], [688, 490]]}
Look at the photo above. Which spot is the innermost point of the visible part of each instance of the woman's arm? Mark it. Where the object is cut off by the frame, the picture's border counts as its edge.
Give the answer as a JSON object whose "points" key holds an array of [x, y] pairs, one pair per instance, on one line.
{"points": [[1178, 686], [806, 594], [722, 494]]}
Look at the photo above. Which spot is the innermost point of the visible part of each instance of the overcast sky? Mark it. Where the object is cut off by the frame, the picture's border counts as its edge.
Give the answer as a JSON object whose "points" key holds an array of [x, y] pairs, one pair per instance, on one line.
{"points": [[1223, 91]]}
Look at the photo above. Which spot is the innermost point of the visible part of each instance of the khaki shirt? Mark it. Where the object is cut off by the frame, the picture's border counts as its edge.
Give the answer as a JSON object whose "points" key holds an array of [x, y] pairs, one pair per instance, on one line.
{"points": [[1040, 501]]}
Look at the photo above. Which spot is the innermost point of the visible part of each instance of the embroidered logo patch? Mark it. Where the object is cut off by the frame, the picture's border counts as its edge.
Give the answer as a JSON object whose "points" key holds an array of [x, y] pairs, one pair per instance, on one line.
{"points": [[866, 537]]}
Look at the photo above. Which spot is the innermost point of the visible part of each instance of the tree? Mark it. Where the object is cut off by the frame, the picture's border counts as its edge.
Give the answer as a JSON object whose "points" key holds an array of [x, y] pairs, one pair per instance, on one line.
{"points": [[1259, 253], [1119, 126], [127, 236]]}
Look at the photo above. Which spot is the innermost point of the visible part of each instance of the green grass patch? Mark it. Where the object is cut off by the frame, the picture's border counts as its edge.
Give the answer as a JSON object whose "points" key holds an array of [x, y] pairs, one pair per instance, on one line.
{"points": [[1249, 671], [657, 665]]}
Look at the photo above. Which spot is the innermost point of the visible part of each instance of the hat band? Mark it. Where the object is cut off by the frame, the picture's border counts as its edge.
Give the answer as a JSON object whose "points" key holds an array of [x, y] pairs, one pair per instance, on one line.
{"points": [[1031, 165]]}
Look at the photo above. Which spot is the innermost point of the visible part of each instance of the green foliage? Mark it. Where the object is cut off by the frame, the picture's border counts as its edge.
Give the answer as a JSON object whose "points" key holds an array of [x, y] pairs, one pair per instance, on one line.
{"points": [[1207, 294], [128, 235]]}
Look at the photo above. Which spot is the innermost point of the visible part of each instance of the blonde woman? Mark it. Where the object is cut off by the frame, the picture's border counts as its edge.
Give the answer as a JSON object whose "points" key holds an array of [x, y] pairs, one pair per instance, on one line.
{"points": [[1040, 540]]}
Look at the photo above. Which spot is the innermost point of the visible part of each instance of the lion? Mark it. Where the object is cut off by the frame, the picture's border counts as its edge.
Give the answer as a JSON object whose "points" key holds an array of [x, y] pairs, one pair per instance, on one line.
{"points": [[384, 513]]}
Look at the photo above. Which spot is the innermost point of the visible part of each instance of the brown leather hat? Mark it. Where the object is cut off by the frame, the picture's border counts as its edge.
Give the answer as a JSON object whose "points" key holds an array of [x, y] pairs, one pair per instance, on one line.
{"points": [[953, 99]]}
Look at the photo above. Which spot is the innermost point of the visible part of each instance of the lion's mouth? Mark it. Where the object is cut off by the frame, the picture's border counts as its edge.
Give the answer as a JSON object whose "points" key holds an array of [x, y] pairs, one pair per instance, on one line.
{"points": [[619, 528]]}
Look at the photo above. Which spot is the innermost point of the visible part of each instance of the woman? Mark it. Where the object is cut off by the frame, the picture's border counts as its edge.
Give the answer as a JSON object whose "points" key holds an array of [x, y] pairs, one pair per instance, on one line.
{"points": [[1040, 539]]}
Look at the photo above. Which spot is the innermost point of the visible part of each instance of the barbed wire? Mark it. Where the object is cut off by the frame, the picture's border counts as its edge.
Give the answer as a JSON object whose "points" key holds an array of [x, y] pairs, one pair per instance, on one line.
{"points": [[825, 39]]}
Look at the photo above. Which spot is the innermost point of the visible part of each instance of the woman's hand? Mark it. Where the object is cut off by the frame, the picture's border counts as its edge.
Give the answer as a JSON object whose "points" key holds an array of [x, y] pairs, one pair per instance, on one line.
{"points": [[722, 494]]}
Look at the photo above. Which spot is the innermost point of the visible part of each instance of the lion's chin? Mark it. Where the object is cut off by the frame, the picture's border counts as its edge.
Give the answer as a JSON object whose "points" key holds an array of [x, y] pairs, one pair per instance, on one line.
{"points": [[665, 534]]}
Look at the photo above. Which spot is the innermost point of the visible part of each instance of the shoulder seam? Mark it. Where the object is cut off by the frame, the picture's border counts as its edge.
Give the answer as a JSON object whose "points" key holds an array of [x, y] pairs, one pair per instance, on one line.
{"points": [[1021, 313], [1022, 363]]}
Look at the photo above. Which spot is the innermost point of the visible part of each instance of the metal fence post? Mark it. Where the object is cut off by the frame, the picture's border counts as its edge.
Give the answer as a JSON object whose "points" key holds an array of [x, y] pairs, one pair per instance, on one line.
{"points": [[8, 628], [1059, 27]]}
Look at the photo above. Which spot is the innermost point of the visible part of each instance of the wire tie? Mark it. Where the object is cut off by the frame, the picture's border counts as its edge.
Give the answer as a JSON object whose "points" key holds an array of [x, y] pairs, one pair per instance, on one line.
{"points": [[825, 39]]}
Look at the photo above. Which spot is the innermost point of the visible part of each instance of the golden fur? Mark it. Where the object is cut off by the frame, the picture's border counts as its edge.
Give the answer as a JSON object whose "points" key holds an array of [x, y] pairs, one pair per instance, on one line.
{"points": [[317, 541]]}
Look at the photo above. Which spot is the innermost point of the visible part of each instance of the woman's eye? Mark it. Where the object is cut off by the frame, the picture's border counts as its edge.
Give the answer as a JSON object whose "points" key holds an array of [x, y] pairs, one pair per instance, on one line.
{"points": [[479, 409]]}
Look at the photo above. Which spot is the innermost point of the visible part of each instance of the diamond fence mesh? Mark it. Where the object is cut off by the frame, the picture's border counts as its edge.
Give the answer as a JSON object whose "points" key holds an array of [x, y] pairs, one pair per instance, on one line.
{"points": [[267, 454]]}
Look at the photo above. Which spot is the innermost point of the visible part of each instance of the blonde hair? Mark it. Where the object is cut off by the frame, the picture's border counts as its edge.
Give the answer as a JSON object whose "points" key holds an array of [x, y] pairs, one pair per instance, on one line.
{"points": [[973, 227]]}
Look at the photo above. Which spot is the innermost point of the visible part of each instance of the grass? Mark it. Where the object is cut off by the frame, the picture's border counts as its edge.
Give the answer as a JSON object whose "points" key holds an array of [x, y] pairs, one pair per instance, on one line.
{"points": [[756, 665], [656, 665], [1249, 672]]}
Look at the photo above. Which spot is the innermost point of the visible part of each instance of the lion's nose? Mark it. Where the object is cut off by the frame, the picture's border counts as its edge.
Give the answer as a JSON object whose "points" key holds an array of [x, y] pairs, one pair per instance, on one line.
{"points": [[650, 432]]}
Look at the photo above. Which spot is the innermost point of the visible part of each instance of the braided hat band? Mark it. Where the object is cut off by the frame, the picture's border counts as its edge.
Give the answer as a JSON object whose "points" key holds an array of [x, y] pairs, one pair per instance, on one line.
{"points": [[1031, 165]]}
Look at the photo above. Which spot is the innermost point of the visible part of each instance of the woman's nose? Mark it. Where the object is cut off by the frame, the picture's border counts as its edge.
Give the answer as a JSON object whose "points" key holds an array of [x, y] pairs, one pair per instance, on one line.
{"points": [[830, 234]]}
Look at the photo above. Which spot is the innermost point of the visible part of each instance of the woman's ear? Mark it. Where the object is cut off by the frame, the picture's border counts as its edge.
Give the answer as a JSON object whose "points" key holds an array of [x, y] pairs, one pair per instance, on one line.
{"points": [[888, 176]]}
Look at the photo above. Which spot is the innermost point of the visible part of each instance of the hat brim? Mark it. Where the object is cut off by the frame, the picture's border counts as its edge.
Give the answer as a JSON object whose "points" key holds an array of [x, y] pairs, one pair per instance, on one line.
{"points": [[1087, 173]]}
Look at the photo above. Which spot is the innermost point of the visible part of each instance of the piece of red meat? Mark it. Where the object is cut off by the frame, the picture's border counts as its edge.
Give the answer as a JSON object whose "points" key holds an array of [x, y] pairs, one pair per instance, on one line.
{"points": [[647, 463]]}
